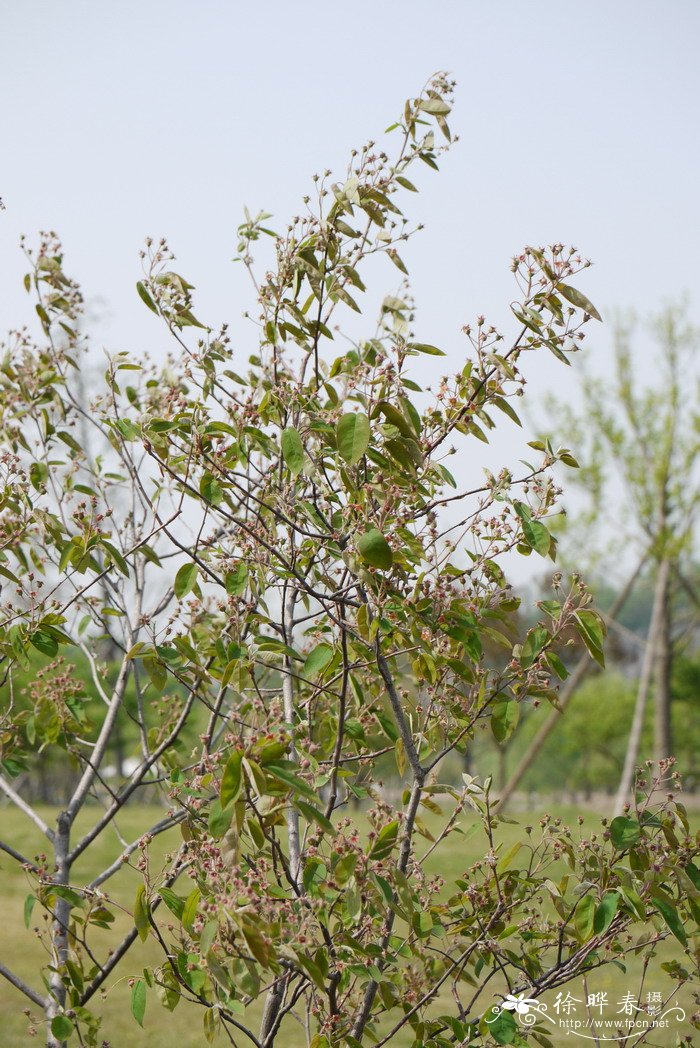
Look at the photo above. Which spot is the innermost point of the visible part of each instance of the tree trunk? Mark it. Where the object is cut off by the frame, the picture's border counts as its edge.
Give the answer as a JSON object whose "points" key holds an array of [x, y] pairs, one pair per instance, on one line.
{"points": [[663, 743], [274, 1000], [649, 662], [583, 667], [56, 1000]]}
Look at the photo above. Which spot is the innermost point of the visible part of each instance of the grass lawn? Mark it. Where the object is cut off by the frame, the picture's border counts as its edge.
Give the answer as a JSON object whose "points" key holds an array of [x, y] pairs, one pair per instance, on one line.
{"points": [[20, 949]]}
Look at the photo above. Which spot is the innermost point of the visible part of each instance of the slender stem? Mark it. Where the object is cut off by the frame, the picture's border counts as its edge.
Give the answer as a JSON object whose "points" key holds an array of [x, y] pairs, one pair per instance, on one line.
{"points": [[103, 739]]}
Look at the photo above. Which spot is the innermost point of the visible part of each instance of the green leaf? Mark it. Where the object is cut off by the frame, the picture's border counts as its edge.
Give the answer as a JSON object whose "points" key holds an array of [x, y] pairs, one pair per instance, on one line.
{"points": [[189, 910], [500, 1025], [185, 580], [535, 641], [69, 894], [506, 861], [396, 418], [385, 842], [534, 532], [591, 631], [292, 450], [210, 489], [116, 557], [175, 904], [375, 550], [157, 672], [28, 907], [285, 773], [145, 297], [584, 918], [317, 660], [312, 814], [422, 923], [670, 915], [605, 912], [557, 665], [128, 429], [219, 819], [138, 1001], [237, 580], [38, 474], [44, 643], [625, 832], [578, 299], [141, 913], [352, 435], [504, 718], [436, 106], [210, 1021], [315, 874], [231, 780], [61, 1027], [424, 347]]}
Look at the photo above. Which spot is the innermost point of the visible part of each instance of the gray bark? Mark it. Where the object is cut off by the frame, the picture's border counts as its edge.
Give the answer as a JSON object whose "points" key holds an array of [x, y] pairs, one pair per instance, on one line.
{"points": [[56, 1000], [651, 652]]}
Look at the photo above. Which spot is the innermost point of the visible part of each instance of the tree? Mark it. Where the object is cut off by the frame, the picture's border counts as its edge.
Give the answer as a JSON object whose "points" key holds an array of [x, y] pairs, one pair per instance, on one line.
{"points": [[267, 553], [566, 694], [650, 440]]}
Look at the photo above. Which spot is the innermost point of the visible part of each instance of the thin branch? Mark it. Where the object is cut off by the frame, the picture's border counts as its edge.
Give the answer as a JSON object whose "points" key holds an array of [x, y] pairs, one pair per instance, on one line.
{"points": [[154, 831], [19, 857], [20, 803], [21, 985]]}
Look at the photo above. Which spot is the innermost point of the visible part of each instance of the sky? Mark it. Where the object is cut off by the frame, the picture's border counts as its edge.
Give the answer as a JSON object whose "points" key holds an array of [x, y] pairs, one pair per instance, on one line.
{"points": [[577, 124]]}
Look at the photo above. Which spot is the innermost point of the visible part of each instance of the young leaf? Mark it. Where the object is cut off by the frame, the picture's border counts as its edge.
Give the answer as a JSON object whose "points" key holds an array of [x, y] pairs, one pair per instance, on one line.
{"points": [[61, 1027], [292, 450], [317, 660], [605, 912], [625, 832], [670, 915], [578, 299], [210, 489], [375, 550], [189, 910], [44, 643], [284, 773], [584, 917], [28, 907], [591, 631], [386, 839], [352, 435], [145, 297], [231, 780], [499, 1024], [138, 1001], [237, 580], [504, 718], [219, 819], [173, 901], [141, 913], [185, 580]]}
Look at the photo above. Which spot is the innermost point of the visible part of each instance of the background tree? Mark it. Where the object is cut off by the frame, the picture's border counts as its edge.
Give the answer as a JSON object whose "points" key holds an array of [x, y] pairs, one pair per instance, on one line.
{"points": [[268, 554], [639, 450]]}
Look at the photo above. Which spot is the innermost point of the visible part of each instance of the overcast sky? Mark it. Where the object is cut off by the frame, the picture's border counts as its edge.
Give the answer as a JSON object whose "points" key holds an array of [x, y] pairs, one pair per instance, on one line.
{"points": [[578, 123]]}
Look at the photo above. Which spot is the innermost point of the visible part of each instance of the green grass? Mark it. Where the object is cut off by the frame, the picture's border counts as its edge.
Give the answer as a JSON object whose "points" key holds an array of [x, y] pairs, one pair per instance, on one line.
{"points": [[21, 950]]}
